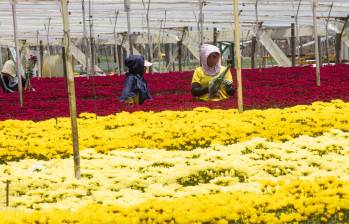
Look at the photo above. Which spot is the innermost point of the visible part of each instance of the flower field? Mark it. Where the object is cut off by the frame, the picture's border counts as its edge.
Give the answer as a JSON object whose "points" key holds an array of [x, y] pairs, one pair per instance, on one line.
{"points": [[175, 160], [265, 88], [171, 130]]}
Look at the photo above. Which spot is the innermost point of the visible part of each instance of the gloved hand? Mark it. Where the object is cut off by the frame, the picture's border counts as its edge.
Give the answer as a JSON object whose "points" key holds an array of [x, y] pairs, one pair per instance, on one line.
{"points": [[229, 88], [228, 82]]}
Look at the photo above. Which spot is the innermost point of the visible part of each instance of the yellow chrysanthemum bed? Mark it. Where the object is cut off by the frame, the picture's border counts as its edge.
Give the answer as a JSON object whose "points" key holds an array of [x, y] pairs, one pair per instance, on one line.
{"points": [[202, 166]]}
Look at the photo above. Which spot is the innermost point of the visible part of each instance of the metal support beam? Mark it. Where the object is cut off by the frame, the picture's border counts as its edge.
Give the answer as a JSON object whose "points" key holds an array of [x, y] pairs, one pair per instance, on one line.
{"points": [[81, 57], [279, 56], [128, 48]]}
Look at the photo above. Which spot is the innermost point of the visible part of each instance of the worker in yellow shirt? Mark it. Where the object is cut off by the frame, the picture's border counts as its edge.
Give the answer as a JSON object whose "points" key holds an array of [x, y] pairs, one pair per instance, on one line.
{"points": [[212, 74]]}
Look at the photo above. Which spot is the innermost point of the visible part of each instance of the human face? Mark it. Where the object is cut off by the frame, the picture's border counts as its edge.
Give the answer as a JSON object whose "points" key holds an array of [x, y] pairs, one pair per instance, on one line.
{"points": [[213, 59]]}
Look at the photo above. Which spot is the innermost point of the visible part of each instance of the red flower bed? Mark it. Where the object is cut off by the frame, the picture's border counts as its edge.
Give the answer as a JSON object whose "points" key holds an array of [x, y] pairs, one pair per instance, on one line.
{"points": [[265, 88]]}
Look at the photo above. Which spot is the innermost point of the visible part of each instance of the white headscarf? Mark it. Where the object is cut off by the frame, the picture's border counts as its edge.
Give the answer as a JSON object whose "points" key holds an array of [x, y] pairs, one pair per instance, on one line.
{"points": [[9, 68], [205, 51]]}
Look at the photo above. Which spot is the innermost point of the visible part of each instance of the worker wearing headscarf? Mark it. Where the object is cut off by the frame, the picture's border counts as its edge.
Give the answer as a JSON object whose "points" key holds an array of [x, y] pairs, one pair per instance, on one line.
{"points": [[9, 78], [136, 88], [211, 67]]}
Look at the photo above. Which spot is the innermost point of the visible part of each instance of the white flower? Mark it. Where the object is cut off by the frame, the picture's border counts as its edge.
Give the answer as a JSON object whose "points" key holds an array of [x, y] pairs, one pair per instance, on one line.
{"points": [[37, 167]]}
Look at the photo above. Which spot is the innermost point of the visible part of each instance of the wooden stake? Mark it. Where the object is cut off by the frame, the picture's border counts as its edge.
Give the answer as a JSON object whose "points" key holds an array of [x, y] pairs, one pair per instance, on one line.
{"points": [[48, 44], [116, 59], [327, 41], [300, 52], [167, 54], [318, 79], [320, 50], [38, 50], [64, 69], [201, 22], [238, 55], [7, 193], [121, 58], [0, 57], [97, 50], [92, 49], [24, 62], [18, 61], [232, 55], [215, 36], [298, 37], [116, 52], [93, 55], [71, 87], [253, 52], [173, 59], [339, 42], [8, 54], [257, 54], [180, 44], [150, 39], [338, 47], [129, 34], [163, 35], [293, 45], [159, 46], [86, 46], [41, 58], [106, 56]]}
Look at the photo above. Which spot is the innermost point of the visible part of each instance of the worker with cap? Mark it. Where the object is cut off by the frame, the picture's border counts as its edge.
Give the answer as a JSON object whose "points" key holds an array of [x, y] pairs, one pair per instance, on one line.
{"points": [[135, 88], [9, 77]]}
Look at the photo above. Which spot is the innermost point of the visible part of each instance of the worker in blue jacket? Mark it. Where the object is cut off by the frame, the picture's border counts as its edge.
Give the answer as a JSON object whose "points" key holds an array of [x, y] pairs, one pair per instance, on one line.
{"points": [[135, 88]]}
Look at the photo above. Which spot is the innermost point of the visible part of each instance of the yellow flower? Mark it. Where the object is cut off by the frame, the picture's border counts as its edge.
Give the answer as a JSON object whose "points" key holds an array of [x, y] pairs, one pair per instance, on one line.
{"points": [[174, 130]]}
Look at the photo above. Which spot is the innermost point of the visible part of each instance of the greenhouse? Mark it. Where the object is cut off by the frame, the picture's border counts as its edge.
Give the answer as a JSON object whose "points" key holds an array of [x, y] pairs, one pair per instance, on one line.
{"points": [[154, 111]]}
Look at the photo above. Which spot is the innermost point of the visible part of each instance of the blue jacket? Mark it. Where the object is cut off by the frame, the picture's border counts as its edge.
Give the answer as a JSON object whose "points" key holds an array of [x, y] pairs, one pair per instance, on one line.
{"points": [[135, 82]]}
